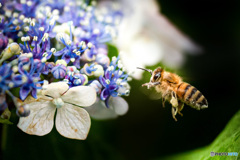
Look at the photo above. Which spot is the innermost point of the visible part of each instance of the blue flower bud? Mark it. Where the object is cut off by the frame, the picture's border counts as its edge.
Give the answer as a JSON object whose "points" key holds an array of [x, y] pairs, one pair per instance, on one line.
{"points": [[59, 71], [23, 110], [79, 79], [103, 60]]}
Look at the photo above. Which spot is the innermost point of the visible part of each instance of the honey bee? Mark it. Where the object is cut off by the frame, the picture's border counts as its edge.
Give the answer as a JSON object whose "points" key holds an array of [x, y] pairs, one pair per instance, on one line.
{"points": [[174, 90]]}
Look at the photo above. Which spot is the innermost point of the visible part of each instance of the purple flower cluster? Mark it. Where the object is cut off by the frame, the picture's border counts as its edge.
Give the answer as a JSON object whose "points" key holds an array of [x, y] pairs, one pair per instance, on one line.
{"points": [[113, 81], [57, 41]]}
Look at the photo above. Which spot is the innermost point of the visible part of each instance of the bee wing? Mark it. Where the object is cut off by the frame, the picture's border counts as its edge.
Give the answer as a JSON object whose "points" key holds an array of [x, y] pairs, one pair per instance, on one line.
{"points": [[151, 93]]}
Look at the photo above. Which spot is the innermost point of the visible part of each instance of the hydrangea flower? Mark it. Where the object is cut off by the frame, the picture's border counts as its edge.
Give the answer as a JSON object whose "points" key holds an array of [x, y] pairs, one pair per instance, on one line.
{"points": [[112, 81], [27, 8], [55, 5], [5, 77], [30, 52], [117, 106], [59, 71], [29, 79], [146, 30], [10, 26], [3, 42], [72, 121], [10, 51]]}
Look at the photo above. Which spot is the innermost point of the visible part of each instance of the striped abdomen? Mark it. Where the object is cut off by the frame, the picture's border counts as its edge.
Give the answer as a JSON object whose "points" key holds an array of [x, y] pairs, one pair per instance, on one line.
{"points": [[191, 96]]}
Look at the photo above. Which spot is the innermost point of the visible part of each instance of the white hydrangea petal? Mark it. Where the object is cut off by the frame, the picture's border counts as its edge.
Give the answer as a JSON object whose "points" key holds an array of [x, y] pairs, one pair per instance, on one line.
{"points": [[81, 95], [149, 31], [55, 89], [119, 105], [40, 98], [73, 122], [100, 112], [40, 120]]}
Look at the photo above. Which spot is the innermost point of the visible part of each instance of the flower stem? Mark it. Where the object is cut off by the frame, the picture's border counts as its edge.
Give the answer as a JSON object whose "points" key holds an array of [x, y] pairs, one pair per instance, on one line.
{"points": [[4, 137]]}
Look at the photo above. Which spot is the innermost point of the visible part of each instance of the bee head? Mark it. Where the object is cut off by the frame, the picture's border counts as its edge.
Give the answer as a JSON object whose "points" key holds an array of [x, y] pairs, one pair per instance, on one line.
{"points": [[156, 75]]}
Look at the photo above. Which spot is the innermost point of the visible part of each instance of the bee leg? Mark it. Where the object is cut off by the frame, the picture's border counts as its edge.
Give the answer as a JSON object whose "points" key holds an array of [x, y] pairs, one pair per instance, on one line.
{"points": [[180, 107], [151, 84], [145, 84], [164, 97], [174, 112], [163, 102], [174, 100]]}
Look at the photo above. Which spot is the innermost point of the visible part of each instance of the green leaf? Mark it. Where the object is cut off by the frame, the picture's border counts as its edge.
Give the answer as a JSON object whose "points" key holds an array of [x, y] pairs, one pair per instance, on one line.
{"points": [[227, 141], [112, 51], [5, 121]]}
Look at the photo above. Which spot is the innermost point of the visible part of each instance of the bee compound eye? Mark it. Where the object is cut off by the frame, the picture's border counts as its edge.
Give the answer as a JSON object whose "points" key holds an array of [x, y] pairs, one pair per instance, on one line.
{"points": [[156, 76]]}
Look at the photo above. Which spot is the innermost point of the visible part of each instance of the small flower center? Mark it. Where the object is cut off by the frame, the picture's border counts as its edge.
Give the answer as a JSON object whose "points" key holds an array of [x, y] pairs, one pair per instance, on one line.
{"points": [[58, 102], [107, 81]]}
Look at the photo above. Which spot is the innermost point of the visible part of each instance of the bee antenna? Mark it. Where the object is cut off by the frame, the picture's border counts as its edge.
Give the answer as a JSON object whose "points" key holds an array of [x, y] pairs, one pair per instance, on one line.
{"points": [[148, 70]]}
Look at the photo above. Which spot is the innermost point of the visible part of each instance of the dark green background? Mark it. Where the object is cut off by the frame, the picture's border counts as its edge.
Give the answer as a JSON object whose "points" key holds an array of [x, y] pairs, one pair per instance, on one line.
{"points": [[148, 130]]}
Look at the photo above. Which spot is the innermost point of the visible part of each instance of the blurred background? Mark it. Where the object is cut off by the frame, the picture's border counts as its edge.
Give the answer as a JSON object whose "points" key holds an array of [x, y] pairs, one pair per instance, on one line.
{"points": [[148, 131]]}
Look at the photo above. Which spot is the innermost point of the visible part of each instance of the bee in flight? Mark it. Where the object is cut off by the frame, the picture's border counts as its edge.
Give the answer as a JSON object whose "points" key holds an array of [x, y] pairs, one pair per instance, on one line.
{"points": [[173, 89]]}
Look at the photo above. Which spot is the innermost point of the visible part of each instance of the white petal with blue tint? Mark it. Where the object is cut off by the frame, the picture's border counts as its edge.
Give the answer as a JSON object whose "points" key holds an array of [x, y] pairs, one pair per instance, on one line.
{"points": [[55, 90], [81, 96], [40, 120], [99, 111], [119, 105], [73, 122]]}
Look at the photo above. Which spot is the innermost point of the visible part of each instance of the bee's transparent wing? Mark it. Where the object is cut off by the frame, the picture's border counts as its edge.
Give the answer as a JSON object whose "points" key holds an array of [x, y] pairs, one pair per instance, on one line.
{"points": [[151, 93]]}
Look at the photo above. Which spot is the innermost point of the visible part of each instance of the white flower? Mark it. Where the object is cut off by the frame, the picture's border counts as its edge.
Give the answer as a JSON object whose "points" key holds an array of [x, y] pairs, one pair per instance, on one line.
{"points": [[146, 37], [71, 121], [117, 107], [64, 28]]}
